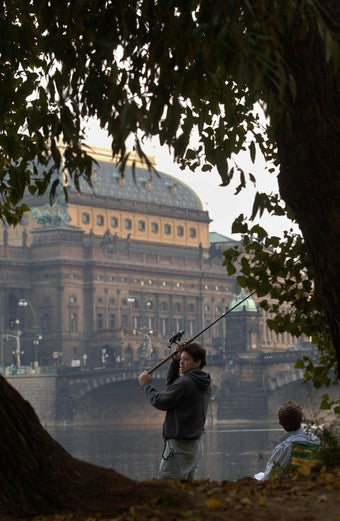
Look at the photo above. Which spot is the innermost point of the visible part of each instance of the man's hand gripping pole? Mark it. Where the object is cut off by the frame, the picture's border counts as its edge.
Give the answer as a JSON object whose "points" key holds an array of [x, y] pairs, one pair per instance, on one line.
{"points": [[175, 339]]}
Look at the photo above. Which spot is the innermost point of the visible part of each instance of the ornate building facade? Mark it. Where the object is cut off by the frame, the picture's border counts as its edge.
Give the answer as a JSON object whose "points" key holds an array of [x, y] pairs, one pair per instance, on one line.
{"points": [[112, 274]]}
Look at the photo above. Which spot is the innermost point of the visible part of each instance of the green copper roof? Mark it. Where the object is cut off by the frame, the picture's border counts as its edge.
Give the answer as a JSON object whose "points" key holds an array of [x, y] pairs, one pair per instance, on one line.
{"points": [[218, 237], [248, 305]]}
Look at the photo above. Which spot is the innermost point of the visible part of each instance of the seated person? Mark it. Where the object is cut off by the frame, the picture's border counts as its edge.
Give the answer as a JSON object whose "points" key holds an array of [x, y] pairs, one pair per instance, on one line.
{"points": [[290, 417]]}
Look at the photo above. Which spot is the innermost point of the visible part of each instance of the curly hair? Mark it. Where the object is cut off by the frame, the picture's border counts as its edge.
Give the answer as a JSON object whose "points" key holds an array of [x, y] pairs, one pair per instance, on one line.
{"points": [[290, 415]]}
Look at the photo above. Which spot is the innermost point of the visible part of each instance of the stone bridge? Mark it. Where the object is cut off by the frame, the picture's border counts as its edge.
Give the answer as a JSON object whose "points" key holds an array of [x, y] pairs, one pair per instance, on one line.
{"points": [[242, 387]]}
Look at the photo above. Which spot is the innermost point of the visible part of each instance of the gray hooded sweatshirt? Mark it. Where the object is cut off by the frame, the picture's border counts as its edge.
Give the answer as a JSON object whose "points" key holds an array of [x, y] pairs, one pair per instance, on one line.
{"points": [[185, 401]]}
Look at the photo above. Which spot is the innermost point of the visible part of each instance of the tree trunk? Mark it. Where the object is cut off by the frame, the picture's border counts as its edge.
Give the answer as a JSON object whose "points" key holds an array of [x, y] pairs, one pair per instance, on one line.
{"points": [[309, 152], [37, 476]]}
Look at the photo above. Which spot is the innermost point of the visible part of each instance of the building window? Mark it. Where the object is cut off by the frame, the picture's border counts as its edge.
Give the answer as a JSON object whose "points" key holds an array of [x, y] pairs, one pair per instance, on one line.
{"points": [[85, 217], [100, 320], [112, 321], [135, 323], [178, 324], [154, 227], [136, 303], [112, 301], [167, 229], [100, 220], [193, 233], [73, 323], [46, 323], [128, 224], [191, 308], [177, 307], [207, 323], [192, 327], [164, 326], [141, 226], [180, 231], [73, 299], [150, 324], [99, 300], [164, 306], [114, 222]]}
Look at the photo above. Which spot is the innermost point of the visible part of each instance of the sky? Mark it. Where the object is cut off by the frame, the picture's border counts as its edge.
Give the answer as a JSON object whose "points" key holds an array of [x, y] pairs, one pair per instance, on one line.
{"points": [[221, 203]]}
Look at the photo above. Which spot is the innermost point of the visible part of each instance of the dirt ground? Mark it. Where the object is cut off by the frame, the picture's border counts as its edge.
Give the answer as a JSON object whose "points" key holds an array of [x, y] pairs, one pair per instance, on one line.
{"points": [[300, 498]]}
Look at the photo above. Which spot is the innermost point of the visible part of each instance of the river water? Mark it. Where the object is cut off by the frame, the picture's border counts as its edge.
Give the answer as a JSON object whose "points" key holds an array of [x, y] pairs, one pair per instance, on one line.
{"points": [[230, 452]]}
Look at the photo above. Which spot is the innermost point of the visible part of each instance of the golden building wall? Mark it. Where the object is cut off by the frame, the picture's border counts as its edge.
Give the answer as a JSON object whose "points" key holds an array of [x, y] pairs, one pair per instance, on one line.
{"points": [[144, 227]]}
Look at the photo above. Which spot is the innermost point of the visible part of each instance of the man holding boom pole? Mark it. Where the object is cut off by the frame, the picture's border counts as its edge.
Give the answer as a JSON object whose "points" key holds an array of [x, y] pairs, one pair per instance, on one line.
{"points": [[185, 401]]}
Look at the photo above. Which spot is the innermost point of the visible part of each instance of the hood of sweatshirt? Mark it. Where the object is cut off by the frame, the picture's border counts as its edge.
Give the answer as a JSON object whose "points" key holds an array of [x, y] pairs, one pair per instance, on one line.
{"points": [[201, 379]]}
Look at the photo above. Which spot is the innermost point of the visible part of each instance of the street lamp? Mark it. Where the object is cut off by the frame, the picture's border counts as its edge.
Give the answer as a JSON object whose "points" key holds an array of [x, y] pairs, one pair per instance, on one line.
{"points": [[37, 337], [130, 301], [36, 342], [24, 303], [17, 351], [148, 320], [142, 303], [148, 339]]}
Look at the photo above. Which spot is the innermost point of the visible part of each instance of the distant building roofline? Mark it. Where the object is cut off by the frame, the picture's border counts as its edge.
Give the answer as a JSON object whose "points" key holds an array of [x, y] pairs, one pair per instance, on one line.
{"points": [[216, 237]]}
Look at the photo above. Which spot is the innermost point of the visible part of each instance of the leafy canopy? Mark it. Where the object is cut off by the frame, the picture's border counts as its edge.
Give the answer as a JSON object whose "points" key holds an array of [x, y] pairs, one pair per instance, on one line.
{"points": [[143, 68]]}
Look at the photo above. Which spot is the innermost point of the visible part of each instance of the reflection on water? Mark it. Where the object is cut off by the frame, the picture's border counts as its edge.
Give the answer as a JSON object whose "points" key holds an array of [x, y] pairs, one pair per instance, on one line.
{"points": [[231, 452]]}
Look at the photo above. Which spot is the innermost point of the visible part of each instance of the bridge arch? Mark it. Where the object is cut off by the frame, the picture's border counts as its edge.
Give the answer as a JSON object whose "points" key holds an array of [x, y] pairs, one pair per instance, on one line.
{"points": [[121, 402], [79, 390]]}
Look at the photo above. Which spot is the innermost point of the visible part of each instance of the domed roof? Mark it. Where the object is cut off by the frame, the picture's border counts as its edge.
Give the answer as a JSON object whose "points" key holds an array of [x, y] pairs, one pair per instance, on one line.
{"points": [[248, 305], [141, 186]]}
